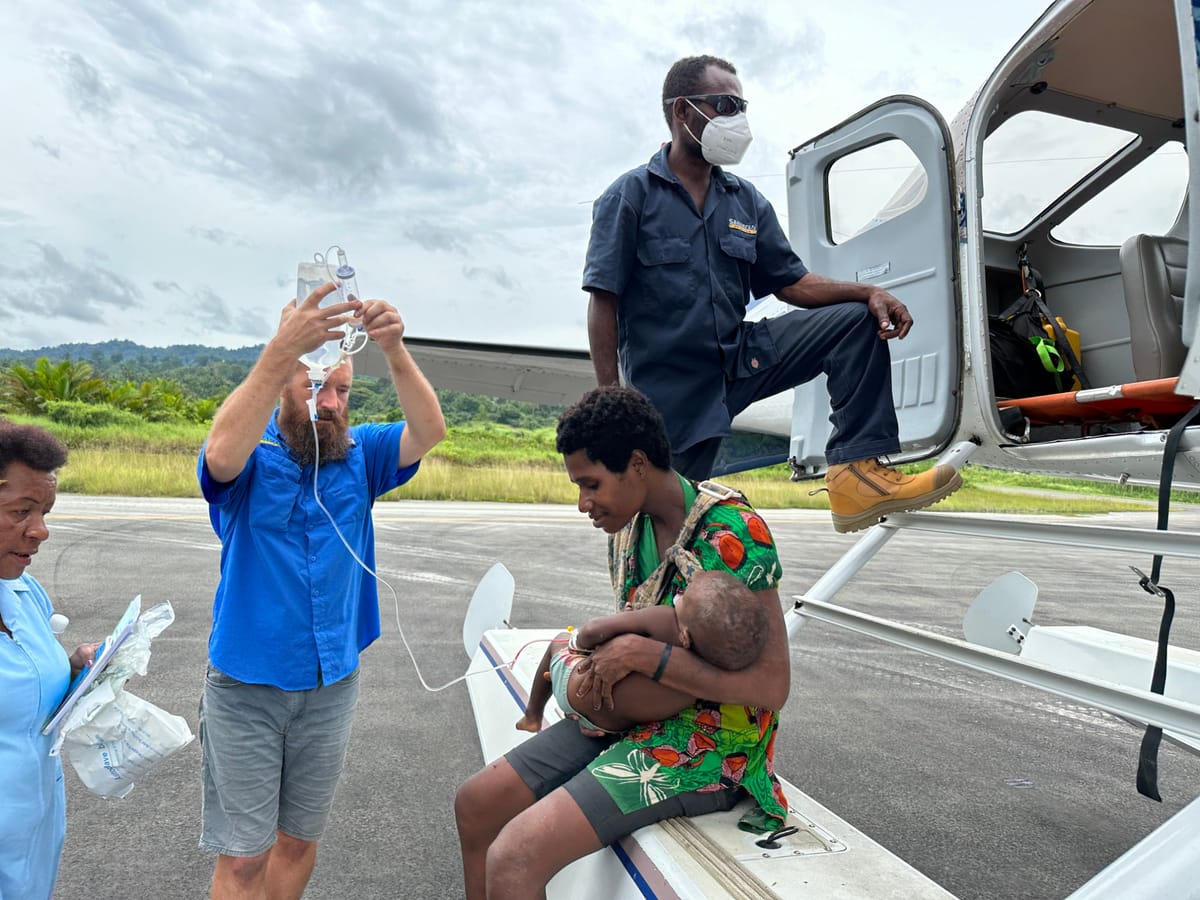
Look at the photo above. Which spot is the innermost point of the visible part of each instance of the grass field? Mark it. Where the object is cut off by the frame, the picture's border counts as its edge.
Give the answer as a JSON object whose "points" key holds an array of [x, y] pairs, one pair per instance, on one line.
{"points": [[497, 463], [494, 463]]}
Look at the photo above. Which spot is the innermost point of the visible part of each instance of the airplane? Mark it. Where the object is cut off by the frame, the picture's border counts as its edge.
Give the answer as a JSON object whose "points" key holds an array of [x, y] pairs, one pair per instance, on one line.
{"points": [[1098, 79], [1105, 94]]}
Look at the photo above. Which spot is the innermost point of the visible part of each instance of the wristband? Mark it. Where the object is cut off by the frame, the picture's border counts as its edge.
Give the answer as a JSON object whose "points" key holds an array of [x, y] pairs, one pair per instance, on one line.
{"points": [[662, 662], [575, 648]]}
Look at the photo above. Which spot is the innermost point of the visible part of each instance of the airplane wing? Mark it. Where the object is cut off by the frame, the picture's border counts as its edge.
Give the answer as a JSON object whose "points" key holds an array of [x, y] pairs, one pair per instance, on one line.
{"points": [[534, 374], [559, 377]]}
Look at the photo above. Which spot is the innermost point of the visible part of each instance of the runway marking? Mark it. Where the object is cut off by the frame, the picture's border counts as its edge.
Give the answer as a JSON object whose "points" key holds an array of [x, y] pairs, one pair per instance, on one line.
{"points": [[214, 544], [154, 517], [380, 522], [424, 577]]}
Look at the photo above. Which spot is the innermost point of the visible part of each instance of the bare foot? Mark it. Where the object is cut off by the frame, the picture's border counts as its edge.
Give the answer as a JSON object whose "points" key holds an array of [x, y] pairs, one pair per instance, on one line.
{"points": [[529, 723]]}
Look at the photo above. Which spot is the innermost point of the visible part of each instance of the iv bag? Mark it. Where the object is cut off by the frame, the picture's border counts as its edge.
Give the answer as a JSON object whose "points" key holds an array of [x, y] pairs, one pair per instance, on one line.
{"points": [[309, 277]]}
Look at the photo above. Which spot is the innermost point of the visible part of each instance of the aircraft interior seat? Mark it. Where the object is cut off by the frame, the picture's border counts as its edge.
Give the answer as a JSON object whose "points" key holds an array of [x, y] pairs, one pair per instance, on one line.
{"points": [[1153, 270]]}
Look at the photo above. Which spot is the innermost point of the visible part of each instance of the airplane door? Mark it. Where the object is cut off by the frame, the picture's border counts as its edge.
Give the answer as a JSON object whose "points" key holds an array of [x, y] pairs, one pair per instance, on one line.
{"points": [[907, 244], [1189, 49]]}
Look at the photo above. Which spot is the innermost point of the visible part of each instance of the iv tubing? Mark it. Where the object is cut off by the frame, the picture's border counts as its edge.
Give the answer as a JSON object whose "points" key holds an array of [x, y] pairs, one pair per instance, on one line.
{"points": [[395, 596]]}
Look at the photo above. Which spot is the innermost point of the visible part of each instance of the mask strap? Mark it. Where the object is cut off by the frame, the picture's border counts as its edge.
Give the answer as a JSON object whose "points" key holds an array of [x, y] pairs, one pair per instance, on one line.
{"points": [[685, 124], [697, 109]]}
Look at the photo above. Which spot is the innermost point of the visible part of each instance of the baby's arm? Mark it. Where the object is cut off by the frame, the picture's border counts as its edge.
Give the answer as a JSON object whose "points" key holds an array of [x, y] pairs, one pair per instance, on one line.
{"points": [[539, 690], [656, 622]]}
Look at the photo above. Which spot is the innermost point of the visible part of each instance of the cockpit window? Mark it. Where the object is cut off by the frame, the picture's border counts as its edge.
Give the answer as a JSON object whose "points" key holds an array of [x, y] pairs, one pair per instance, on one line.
{"points": [[1145, 200], [1035, 157]]}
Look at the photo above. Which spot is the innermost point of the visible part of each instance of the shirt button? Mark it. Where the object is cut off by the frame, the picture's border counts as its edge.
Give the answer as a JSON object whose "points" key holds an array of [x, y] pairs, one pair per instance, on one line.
{"points": [[754, 363]]}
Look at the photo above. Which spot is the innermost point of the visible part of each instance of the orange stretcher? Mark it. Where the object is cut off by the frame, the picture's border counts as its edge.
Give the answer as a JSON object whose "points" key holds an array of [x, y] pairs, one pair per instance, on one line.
{"points": [[1153, 402]]}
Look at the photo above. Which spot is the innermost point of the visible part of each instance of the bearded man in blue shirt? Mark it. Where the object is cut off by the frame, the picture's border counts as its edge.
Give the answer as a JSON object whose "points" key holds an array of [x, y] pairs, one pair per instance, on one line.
{"points": [[294, 608], [677, 248]]}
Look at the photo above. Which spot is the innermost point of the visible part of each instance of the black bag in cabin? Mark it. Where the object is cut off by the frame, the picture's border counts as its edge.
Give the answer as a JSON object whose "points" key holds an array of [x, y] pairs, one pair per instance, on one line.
{"points": [[1056, 347], [1030, 318], [1017, 369]]}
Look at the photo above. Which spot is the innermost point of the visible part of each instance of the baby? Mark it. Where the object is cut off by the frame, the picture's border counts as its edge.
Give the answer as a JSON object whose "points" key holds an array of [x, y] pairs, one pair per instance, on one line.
{"points": [[717, 617]]}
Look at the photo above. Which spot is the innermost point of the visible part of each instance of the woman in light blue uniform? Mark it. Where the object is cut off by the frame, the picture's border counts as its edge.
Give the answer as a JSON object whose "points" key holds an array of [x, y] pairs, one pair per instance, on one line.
{"points": [[34, 669]]}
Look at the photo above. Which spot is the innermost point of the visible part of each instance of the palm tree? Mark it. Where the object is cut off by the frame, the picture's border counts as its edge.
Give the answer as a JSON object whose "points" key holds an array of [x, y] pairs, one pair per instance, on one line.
{"points": [[28, 390]]}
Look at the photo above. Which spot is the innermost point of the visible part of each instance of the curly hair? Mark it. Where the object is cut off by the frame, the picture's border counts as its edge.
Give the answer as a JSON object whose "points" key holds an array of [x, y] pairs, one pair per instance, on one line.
{"points": [[609, 423], [727, 624], [32, 446], [686, 77]]}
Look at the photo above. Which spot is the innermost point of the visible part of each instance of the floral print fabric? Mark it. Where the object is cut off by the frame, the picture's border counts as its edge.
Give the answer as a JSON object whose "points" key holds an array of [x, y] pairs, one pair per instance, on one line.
{"points": [[709, 746]]}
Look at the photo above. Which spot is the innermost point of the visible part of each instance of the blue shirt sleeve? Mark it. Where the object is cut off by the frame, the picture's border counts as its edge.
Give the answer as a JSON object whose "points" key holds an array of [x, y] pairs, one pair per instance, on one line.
{"points": [[612, 247], [381, 451], [219, 493], [777, 265], [214, 491]]}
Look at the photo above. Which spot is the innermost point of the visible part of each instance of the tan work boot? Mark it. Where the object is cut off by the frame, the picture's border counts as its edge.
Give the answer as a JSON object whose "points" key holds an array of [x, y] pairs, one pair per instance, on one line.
{"points": [[863, 492]]}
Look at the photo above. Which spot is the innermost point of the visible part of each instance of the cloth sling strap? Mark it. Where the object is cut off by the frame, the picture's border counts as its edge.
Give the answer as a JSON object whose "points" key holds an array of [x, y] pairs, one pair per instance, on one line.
{"points": [[677, 558], [1063, 345], [1147, 773]]}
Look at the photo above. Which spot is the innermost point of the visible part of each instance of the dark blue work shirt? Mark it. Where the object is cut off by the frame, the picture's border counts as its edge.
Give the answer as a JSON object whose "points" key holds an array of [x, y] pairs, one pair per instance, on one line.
{"points": [[683, 281], [292, 601]]}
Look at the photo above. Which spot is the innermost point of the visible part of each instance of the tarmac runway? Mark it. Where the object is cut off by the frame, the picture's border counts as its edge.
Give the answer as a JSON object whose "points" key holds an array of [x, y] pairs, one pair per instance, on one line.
{"points": [[991, 789]]}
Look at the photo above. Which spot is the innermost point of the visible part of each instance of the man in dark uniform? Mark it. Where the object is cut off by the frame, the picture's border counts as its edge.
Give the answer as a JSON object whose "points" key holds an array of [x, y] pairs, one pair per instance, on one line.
{"points": [[678, 246]]}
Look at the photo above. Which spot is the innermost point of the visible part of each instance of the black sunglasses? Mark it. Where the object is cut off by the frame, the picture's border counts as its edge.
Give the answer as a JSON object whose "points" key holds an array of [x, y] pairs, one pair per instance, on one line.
{"points": [[724, 104]]}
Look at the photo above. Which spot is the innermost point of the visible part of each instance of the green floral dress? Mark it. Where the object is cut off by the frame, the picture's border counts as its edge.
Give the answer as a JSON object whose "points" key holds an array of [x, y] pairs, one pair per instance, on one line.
{"points": [[709, 746]]}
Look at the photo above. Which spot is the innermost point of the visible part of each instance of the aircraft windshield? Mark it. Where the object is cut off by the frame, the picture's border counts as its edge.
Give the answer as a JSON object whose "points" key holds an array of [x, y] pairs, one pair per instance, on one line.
{"points": [[1034, 158], [1146, 200]]}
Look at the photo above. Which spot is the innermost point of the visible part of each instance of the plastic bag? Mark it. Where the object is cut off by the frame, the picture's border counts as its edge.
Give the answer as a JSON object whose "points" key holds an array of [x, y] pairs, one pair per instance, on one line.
{"points": [[113, 737], [125, 738]]}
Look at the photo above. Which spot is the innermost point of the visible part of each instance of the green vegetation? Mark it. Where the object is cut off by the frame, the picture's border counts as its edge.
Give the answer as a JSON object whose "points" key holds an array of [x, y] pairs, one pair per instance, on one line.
{"points": [[495, 462], [135, 417]]}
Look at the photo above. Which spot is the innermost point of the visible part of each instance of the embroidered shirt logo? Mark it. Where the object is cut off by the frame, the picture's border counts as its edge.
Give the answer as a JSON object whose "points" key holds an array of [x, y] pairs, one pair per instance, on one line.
{"points": [[742, 227]]}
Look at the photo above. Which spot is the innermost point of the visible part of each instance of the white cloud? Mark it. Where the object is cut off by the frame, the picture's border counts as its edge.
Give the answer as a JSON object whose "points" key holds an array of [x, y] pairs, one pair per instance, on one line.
{"points": [[169, 164]]}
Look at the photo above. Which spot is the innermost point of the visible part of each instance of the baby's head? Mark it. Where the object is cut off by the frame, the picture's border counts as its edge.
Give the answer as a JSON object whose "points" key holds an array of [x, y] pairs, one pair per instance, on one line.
{"points": [[721, 620]]}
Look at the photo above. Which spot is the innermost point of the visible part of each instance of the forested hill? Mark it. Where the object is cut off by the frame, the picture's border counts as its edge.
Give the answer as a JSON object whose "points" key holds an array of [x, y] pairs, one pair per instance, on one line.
{"points": [[202, 373], [116, 352]]}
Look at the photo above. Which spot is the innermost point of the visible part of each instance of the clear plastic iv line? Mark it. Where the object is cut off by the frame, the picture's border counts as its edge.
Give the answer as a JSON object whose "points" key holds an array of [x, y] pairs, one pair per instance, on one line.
{"points": [[395, 596]]}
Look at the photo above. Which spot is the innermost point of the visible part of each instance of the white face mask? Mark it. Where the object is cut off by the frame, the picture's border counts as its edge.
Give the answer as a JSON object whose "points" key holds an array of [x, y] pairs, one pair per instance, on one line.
{"points": [[725, 139]]}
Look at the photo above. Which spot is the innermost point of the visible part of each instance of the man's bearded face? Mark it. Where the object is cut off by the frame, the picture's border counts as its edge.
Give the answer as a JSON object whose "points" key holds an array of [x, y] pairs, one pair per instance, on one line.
{"points": [[333, 424]]}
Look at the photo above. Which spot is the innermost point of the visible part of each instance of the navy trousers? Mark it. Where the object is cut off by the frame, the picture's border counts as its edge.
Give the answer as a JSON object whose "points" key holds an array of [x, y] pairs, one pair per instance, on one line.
{"points": [[842, 342]]}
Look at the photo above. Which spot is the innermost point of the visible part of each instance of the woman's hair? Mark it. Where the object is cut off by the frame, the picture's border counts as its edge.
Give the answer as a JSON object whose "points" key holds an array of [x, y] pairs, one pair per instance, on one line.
{"points": [[609, 423], [32, 446]]}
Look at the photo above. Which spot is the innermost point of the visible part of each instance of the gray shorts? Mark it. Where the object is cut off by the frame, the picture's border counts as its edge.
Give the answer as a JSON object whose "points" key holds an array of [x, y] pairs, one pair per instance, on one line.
{"points": [[270, 760], [558, 757]]}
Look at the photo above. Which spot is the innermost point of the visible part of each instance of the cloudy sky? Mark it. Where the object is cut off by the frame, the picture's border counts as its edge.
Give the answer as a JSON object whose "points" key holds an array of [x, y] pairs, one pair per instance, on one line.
{"points": [[166, 165]]}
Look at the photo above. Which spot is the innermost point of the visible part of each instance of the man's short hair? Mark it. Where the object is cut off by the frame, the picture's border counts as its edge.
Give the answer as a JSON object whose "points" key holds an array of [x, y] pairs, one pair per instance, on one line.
{"points": [[31, 446], [609, 423], [727, 622], [686, 77]]}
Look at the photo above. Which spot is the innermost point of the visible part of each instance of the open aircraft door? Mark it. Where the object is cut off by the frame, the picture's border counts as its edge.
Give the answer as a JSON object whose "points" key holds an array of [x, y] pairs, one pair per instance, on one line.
{"points": [[909, 247], [1187, 22]]}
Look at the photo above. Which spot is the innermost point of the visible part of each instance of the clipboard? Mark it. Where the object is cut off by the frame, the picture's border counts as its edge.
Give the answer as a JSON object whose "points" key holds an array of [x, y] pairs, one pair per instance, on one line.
{"points": [[104, 654]]}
